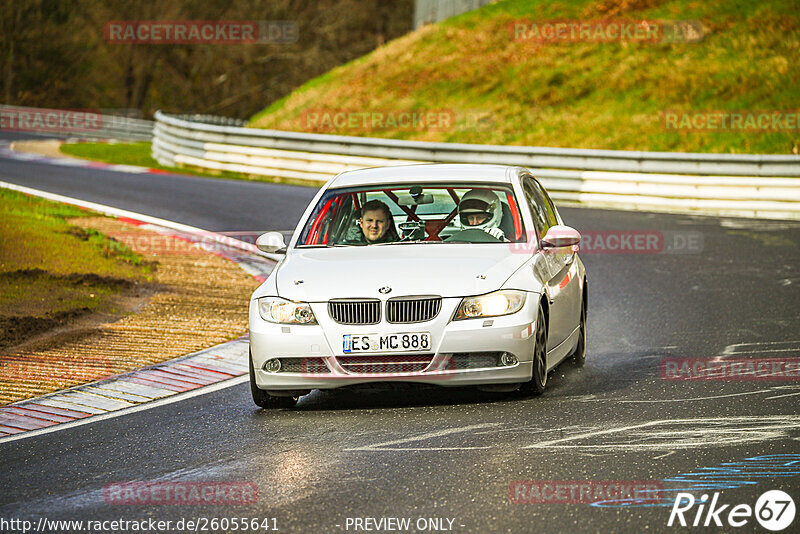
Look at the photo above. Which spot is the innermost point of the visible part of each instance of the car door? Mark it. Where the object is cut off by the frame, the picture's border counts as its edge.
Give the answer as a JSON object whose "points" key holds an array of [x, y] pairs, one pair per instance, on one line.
{"points": [[554, 265]]}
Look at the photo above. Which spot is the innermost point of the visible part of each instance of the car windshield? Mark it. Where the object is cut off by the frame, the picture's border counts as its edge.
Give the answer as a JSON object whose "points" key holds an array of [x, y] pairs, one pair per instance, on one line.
{"points": [[414, 213]]}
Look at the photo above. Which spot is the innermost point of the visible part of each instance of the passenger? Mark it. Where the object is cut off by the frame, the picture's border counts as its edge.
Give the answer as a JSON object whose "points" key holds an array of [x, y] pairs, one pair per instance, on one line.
{"points": [[376, 225], [480, 209]]}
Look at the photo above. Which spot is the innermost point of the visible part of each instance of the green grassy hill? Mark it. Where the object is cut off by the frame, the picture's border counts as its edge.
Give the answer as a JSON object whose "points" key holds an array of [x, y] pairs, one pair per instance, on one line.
{"points": [[490, 87]]}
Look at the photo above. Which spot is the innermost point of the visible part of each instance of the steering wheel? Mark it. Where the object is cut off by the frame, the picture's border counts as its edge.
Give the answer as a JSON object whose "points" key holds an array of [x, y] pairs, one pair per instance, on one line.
{"points": [[473, 235]]}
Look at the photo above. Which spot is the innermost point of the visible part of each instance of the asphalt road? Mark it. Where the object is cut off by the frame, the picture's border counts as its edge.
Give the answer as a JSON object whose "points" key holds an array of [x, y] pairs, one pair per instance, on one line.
{"points": [[409, 452], [216, 205]]}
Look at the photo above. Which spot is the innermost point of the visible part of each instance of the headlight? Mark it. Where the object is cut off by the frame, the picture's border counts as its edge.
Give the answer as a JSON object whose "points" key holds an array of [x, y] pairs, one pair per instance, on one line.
{"points": [[282, 311], [503, 302]]}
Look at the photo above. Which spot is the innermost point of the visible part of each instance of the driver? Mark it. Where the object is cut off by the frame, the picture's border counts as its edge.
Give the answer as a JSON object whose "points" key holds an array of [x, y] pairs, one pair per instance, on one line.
{"points": [[480, 209], [376, 225]]}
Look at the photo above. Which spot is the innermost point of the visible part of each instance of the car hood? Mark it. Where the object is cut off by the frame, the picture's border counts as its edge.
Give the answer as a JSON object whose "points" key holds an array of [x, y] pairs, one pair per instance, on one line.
{"points": [[317, 275]]}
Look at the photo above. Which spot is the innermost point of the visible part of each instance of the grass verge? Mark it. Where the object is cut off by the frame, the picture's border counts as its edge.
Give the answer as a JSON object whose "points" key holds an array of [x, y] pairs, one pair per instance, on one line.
{"points": [[52, 271], [85, 297], [495, 85]]}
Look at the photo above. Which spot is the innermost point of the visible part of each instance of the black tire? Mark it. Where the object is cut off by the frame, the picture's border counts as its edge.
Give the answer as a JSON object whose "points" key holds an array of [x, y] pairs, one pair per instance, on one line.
{"points": [[579, 354], [538, 379], [264, 399]]}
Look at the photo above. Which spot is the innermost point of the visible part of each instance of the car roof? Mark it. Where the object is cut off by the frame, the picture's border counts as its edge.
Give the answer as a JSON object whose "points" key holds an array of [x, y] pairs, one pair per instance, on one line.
{"points": [[431, 172]]}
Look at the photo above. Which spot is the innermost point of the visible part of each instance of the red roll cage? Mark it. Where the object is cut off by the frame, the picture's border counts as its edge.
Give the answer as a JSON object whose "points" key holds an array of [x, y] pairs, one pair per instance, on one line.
{"points": [[432, 226]]}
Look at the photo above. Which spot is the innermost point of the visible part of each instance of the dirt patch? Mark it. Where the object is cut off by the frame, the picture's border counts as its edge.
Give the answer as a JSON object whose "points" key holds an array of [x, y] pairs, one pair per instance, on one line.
{"points": [[14, 330], [48, 148], [25, 331], [195, 300], [36, 300], [90, 279]]}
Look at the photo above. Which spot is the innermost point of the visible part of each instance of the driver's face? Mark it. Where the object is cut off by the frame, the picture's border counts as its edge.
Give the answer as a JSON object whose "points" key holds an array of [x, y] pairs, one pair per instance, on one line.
{"points": [[374, 225], [474, 219]]}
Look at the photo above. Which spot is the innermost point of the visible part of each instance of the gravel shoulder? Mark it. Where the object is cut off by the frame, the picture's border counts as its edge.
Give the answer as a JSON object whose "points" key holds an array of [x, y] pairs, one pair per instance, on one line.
{"points": [[48, 147]]}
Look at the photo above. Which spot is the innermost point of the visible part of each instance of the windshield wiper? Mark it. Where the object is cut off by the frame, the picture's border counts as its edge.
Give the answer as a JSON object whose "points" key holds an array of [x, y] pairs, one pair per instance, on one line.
{"points": [[420, 242]]}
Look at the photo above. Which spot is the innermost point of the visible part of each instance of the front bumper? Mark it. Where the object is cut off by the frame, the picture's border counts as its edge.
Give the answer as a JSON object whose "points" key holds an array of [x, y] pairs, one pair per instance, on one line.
{"points": [[323, 343]]}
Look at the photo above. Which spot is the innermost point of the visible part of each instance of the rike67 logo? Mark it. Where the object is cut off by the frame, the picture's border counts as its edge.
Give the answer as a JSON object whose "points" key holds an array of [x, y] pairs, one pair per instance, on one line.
{"points": [[774, 510]]}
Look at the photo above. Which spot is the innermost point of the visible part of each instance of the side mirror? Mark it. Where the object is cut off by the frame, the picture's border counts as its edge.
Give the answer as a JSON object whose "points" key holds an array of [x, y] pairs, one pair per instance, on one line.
{"points": [[271, 242], [561, 236]]}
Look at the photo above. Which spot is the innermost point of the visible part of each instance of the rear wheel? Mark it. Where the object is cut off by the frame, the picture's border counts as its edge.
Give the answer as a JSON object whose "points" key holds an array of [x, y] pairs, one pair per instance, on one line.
{"points": [[538, 379], [579, 354], [264, 399]]}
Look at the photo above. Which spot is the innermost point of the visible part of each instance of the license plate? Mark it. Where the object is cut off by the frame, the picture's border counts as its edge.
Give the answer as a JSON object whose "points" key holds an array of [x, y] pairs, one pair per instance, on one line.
{"points": [[405, 342]]}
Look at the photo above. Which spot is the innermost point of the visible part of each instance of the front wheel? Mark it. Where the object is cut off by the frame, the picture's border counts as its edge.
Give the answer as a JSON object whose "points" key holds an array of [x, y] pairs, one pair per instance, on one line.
{"points": [[538, 379], [264, 399]]}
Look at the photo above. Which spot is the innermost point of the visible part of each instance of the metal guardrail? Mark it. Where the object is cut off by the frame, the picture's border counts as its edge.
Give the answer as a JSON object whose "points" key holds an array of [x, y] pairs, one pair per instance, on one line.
{"points": [[431, 11], [77, 124], [736, 185], [216, 120]]}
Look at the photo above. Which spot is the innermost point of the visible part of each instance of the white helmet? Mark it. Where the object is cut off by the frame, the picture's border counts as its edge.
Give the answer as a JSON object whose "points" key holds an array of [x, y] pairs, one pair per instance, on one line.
{"points": [[480, 201]]}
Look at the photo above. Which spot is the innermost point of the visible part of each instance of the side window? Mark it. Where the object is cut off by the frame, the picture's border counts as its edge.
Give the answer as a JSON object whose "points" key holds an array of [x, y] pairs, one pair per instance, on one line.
{"points": [[329, 221], [549, 207], [546, 204], [343, 218], [536, 204]]}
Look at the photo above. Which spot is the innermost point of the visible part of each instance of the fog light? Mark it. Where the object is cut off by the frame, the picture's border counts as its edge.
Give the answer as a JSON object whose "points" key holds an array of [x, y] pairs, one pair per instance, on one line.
{"points": [[508, 359], [272, 366]]}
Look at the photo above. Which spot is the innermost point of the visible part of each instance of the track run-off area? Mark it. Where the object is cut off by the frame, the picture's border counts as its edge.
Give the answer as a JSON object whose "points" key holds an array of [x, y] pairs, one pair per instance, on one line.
{"points": [[607, 448]]}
